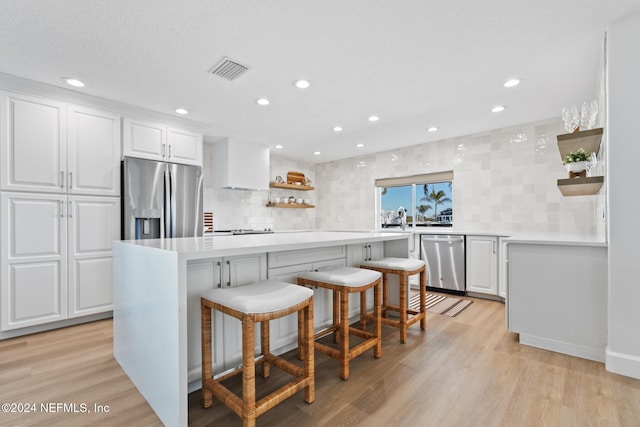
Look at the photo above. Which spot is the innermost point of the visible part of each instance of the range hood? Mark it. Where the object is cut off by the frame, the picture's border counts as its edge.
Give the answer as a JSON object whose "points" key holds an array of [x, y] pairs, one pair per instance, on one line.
{"points": [[240, 164]]}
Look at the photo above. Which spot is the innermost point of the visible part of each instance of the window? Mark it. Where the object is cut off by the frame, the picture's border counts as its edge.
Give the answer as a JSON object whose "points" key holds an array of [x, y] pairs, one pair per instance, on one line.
{"points": [[416, 201]]}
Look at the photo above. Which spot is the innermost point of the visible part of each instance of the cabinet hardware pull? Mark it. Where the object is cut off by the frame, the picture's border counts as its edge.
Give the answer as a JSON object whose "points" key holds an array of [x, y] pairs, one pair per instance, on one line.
{"points": [[70, 180], [61, 179], [61, 209], [494, 247], [229, 270], [164, 150], [219, 274], [70, 209], [169, 150]]}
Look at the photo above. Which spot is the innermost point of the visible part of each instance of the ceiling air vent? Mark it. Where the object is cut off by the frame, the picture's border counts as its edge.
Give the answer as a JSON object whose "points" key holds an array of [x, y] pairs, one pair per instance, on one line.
{"points": [[228, 69]]}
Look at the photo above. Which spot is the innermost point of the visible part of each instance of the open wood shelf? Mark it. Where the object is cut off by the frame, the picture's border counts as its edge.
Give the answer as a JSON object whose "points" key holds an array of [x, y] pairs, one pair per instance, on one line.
{"points": [[291, 186], [289, 205], [589, 140], [580, 186]]}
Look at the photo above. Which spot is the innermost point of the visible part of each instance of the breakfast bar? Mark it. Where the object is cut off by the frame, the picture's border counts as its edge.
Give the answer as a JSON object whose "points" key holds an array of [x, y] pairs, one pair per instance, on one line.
{"points": [[156, 290]]}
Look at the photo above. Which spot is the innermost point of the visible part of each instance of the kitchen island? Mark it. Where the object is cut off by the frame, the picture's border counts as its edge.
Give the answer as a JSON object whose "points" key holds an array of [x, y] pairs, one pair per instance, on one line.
{"points": [[156, 288]]}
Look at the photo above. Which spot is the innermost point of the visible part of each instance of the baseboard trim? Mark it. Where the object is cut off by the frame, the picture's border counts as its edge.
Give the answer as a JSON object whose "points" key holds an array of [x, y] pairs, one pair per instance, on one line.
{"points": [[591, 353], [623, 364]]}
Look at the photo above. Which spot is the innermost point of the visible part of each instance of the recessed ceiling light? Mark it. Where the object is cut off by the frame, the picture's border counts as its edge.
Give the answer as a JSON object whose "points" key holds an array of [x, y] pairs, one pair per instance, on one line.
{"points": [[279, 146], [374, 118], [360, 145], [181, 111], [337, 129], [302, 84], [432, 129], [498, 108], [512, 83], [73, 82], [316, 153], [262, 101]]}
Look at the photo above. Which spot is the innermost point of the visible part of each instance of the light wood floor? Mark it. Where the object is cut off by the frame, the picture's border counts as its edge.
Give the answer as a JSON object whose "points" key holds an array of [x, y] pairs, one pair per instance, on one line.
{"points": [[462, 371]]}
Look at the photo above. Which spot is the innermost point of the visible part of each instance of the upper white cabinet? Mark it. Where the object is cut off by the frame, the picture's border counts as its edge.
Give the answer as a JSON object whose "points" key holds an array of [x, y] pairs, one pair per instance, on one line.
{"points": [[49, 146], [482, 264], [93, 152], [155, 141], [32, 143], [184, 146]]}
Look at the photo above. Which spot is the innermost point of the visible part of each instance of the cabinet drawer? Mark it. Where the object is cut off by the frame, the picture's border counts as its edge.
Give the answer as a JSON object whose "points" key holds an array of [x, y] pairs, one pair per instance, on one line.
{"points": [[284, 258]]}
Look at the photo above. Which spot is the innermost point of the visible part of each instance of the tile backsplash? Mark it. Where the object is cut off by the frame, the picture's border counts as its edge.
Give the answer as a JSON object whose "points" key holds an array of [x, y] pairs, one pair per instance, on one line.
{"points": [[248, 209], [504, 181]]}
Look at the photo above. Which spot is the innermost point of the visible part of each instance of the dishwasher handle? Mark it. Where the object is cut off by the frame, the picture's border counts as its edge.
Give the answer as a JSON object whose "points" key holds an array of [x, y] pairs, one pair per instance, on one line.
{"points": [[443, 240]]}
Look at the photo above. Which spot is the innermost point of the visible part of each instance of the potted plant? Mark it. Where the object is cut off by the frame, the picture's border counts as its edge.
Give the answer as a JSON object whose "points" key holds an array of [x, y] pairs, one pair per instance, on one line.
{"points": [[577, 163]]}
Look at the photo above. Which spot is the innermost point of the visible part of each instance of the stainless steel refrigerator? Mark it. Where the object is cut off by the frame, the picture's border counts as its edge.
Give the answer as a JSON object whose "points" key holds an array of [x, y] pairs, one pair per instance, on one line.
{"points": [[160, 200]]}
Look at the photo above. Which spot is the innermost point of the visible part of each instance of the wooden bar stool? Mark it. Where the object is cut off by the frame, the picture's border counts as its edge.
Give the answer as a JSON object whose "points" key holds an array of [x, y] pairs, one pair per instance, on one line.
{"points": [[344, 281], [403, 267], [258, 302]]}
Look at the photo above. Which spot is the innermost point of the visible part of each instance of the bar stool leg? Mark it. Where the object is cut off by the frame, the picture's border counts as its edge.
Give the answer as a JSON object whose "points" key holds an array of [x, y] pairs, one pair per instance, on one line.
{"points": [[403, 308], [248, 373], [385, 295], [301, 341], [207, 369], [336, 315], [377, 323], [265, 347], [363, 310], [344, 335], [307, 332], [423, 299]]}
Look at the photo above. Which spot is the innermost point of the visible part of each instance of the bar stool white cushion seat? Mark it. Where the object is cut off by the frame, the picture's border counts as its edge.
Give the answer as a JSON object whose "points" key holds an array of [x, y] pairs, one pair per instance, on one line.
{"points": [[344, 276], [406, 264], [265, 296]]}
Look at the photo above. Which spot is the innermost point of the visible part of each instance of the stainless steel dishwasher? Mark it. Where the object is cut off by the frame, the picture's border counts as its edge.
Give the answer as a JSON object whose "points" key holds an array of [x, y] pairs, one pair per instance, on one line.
{"points": [[444, 255]]}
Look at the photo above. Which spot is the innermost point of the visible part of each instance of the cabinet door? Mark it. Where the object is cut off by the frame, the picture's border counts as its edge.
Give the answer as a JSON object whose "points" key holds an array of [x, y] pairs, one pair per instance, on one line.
{"points": [[94, 223], [482, 264], [32, 143], [184, 146], [284, 331], [238, 271], [202, 275], [145, 140], [93, 152], [33, 266]]}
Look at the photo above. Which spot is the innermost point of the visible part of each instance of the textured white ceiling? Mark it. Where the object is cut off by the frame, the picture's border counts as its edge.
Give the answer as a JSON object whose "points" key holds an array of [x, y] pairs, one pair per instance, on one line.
{"points": [[413, 63]]}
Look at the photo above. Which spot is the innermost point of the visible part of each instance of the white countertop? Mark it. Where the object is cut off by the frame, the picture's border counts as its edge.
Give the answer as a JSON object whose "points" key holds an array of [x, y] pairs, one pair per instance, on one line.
{"points": [[216, 246]]}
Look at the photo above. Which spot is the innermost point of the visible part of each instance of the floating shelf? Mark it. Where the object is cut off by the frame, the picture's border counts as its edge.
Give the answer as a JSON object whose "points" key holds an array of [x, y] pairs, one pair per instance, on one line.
{"points": [[291, 186], [289, 205], [587, 139], [580, 186]]}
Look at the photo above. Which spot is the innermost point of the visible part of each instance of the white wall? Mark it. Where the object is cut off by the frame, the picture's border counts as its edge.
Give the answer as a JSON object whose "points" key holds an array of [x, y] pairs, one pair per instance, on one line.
{"points": [[623, 68], [247, 209], [504, 181]]}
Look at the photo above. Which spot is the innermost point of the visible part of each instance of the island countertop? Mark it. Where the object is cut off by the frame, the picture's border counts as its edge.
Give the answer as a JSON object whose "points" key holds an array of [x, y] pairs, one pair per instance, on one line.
{"points": [[216, 246]]}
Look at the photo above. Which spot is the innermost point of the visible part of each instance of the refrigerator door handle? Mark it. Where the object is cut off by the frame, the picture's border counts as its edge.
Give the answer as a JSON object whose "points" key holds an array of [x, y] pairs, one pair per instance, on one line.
{"points": [[167, 205], [172, 204]]}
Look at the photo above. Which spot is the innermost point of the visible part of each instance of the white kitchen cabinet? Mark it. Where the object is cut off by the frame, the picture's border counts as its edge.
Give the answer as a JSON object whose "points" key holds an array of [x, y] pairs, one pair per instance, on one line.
{"points": [[227, 331], [356, 254], [94, 223], [284, 330], [184, 146], [156, 141], [32, 143], [503, 267], [56, 257], [482, 264], [48, 146], [93, 152]]}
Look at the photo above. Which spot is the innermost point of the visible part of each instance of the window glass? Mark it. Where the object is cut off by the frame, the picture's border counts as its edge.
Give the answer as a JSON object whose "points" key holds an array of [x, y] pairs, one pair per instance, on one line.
{"points": [[416, 205]]}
